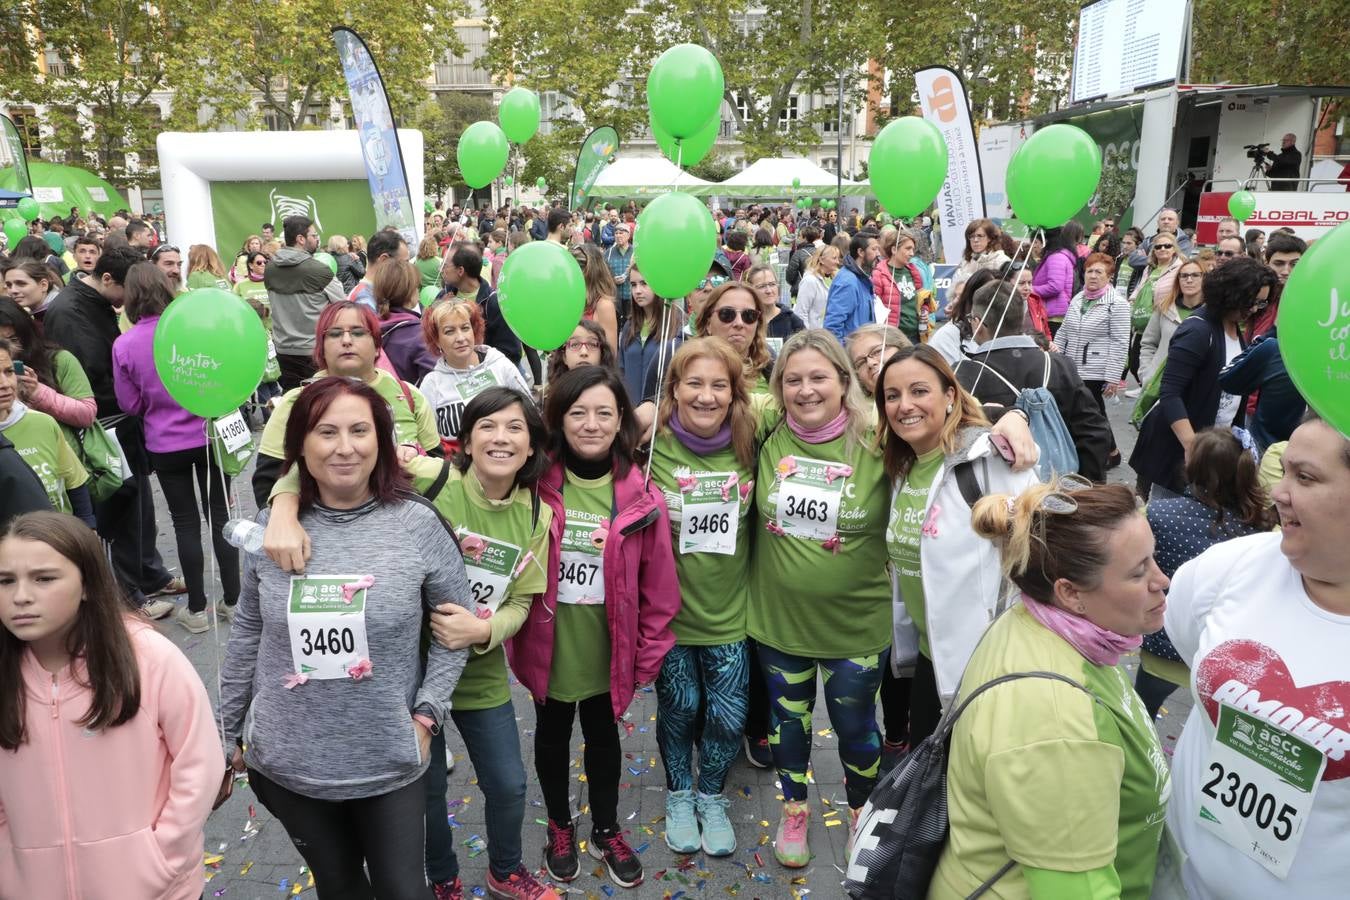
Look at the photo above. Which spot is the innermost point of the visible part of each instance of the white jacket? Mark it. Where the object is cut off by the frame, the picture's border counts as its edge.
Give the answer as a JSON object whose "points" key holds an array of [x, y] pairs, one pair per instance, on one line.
{"points": [[812, 293], [449, 390], [963, 584]]}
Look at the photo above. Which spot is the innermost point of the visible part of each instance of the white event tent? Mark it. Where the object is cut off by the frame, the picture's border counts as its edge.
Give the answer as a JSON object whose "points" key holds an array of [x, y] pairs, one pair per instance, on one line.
{"points": [[644, 176]]}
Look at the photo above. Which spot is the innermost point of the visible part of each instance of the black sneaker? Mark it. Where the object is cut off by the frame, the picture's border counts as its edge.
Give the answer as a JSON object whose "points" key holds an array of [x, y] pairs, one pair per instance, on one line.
{"points": [[758, 753], [625, 869], [560, 853]]}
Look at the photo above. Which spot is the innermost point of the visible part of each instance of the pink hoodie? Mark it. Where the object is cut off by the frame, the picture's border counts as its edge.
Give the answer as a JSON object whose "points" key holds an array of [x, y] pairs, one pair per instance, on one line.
{"points": [[642, 593], [119, 813]]}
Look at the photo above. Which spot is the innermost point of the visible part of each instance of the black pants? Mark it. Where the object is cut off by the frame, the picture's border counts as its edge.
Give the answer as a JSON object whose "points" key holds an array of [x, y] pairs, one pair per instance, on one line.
{"points": [[126, 520], [295, 368], [183, 474], [1132, 358], [757, 708], [385, 833], [895, 706], [1153, 690], [925, 707], [1098, 389], [552, 757]]}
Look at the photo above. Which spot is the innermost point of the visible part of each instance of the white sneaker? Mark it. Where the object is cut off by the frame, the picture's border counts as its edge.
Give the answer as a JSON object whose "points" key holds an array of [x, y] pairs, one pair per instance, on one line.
{"points": [[1133, 393], [195, 622], [158, 609], [449, 761], [224, 611]]}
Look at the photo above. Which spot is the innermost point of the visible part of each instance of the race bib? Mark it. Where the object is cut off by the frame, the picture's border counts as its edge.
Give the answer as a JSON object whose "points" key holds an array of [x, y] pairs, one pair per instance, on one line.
{"points": [[450, 416], [581, 564], [710, 512], [1258, 788], [490, 565], [809, 495], [233, 431], [327, 625]]}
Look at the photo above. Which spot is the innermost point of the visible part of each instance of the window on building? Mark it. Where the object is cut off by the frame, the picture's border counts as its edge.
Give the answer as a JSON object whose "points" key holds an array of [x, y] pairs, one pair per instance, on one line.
{"points": [[830, 164], [26, 121], [787, 116], [463, 69], [54, 64]]}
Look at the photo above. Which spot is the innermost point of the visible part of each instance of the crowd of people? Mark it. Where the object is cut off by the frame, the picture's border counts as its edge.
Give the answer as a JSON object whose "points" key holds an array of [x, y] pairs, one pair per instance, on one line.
{"points": [[804, 475]]}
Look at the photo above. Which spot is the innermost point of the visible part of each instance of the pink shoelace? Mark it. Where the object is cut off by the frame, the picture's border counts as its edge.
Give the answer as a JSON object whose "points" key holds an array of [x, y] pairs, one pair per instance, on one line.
{"points": [[525, 883], [618, 846], [794, 826], [560, 839]]}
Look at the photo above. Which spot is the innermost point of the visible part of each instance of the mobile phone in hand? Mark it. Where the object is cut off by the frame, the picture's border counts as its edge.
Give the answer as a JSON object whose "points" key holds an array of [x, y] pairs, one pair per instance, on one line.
{"points": [[18, 368]]}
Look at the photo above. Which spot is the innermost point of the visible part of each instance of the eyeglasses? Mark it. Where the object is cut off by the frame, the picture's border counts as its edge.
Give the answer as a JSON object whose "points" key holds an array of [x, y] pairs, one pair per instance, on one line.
{"points": [[870, 358], [575, 345], [712, 281], [1225, 253], [1164, 246], [726, 315], [1190, 276], [164, 248], [1061, 502], [336, 334]]}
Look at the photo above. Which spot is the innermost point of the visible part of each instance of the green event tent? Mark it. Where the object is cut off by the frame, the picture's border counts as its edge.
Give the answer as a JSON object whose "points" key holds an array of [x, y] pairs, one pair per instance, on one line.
{"points": [[57, 188]]}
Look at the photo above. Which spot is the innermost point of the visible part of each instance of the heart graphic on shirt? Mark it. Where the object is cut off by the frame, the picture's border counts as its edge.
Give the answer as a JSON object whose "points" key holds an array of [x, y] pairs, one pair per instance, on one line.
{"points": [[1252, 677]]}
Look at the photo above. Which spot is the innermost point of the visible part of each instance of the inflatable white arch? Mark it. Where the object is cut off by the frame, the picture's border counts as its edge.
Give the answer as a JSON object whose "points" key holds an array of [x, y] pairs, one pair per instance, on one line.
{"points": [[270, 174]]}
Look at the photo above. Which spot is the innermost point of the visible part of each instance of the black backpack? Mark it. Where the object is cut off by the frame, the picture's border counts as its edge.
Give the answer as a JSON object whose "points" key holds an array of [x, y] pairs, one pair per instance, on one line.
{"points": [[903, 826]]}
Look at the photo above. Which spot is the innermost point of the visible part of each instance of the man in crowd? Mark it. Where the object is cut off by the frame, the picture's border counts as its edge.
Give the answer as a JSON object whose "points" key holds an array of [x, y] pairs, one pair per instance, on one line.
{"points": [[138, 236], [849, 304], [1285, 165], [559, 226], [83, 320], [268, 232], [796, 266], [1282, 252], [1228, 248], [86, 252], [169, 260], [620, 257], [298, 287], [607, 229], [464, 276], [1228, 227], [1168, 223], [383, 245]]}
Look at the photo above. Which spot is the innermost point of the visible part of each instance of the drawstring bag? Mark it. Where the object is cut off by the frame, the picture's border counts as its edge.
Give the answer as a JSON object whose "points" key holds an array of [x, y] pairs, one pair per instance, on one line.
{"points": [[101, 455], [904, 825], [1059, 456]]}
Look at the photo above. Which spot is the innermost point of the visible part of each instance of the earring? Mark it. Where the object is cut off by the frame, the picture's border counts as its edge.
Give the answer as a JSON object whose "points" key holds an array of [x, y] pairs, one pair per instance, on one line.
{"points": [[1080, 609], [950, 407]]}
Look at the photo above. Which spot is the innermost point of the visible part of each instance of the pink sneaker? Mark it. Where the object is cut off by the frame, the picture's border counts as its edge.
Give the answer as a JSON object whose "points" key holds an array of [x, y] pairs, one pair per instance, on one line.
{"points": [[790, 847], [520, 885]]}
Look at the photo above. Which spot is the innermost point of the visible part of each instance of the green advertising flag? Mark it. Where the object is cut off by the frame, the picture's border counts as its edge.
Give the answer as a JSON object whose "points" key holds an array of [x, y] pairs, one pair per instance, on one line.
{"points": [[13, 156], [1117, 132], [239, 208], [600, 145]]}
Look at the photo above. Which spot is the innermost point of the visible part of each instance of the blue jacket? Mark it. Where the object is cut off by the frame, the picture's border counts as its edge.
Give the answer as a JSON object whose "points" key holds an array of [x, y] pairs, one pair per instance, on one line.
{"points": [[1279, 406], [849, 304], [636, 359]]}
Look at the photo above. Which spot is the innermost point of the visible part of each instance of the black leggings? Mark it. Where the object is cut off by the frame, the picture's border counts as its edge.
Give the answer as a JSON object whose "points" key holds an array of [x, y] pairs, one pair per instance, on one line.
{"points": [[925, 707], [386, 833], [1098, 389], [895, 705], [182, 475], [757, 708], [552, 757]]}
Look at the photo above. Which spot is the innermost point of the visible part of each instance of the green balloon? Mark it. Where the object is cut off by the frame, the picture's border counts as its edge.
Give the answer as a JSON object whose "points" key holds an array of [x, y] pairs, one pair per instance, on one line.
{"points": [[1314, 327], [1053, 175], [328, 260], [796, 183], [510, 181], [15, 231], [691, 150], [429, 294], [684, 90], [675, 244], [542, 183], [519, 114], [428, 207], [210, 350], [481, 153], [907, 165], [28, 208], [1241, 205], [542, 294]]}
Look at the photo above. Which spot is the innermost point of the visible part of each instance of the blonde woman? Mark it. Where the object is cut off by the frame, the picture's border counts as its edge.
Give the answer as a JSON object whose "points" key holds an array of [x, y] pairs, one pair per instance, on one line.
{"points": [[350, 270], [814, 288], [239, 271], [204, 269], [868, 348], [429, 260], [600, 292], [1164, 261], [1174, 308]]}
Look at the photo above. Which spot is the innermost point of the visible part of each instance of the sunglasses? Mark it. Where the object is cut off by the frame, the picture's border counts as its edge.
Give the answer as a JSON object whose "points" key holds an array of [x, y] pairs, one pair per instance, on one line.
{"points": [[1164, 246], [1061, 502], [1225, 253], [712, 281], [726, 315]]}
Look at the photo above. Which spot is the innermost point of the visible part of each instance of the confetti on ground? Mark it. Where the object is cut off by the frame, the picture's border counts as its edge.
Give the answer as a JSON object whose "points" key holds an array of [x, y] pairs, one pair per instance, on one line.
{"points": [[212, 860], [283, 885], [832, 822]]}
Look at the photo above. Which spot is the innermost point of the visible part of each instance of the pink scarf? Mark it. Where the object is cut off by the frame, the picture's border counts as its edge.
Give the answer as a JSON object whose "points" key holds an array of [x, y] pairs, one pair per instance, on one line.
{"points": [[827, 432], [1098, 294], [1097, 645]]}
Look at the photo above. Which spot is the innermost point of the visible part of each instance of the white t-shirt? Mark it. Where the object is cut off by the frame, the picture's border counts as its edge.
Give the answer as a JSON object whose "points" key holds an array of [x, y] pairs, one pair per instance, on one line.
{"points": [[1239, 614], [1228, 403], [450, 390]]}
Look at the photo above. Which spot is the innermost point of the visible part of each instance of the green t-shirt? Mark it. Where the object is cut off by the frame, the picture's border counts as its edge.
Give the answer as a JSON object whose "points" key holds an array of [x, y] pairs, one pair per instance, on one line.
{"points": [[415, 423], [504, 557], [204, 279], [38, 439], [712, 550], [252, 290], [581, 647], [1040, 773], [903, 533], [806, 598], [430, 270]]}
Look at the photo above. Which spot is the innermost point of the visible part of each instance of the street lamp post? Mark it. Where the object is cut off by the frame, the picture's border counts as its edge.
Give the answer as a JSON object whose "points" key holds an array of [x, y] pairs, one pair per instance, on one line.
{"points": [[839, 149]]}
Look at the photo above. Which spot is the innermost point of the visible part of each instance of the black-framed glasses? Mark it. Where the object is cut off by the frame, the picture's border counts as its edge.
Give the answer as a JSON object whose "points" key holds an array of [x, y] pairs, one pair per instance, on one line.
{"points": [[1164, 246], [726, 315], [1226, 253], [1187, 276]]}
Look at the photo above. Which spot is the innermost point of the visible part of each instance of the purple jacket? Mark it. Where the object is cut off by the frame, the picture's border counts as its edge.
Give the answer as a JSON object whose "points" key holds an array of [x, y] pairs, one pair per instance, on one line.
{"points": [[401, 340], [1053, 282], [642, 593], [168, 427]]}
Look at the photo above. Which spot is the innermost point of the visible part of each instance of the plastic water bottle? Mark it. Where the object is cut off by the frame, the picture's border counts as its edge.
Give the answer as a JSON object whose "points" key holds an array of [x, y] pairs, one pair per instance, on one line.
{"points": [[245, 534]]}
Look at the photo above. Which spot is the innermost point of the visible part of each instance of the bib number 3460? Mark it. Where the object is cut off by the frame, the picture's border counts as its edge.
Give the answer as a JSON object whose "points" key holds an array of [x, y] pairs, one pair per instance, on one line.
{"points": [[327, 625]]}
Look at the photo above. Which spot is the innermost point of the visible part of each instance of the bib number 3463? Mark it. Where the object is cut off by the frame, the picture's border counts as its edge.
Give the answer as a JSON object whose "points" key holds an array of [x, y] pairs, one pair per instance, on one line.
{"points": [[809, 500], [1258, 788]]}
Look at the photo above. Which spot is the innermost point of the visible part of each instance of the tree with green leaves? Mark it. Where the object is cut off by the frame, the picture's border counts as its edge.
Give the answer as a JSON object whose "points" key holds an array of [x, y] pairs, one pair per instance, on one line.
{"points": [[1270, 41], [442, 118]]}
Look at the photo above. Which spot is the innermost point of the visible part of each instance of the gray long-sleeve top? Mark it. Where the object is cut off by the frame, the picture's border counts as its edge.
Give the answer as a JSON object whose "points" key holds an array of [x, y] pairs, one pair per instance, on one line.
{"points": [[343, 738]]}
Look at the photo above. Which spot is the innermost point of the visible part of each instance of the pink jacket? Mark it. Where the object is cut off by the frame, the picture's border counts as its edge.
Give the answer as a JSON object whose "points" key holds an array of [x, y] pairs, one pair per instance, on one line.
{"points": [[114, 814], [642, 593]]}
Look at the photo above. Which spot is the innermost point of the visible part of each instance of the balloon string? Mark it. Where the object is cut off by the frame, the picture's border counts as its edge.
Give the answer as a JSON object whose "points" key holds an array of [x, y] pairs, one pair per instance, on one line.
{"points": [[660, 389], [1002, 280], [211, 453]]}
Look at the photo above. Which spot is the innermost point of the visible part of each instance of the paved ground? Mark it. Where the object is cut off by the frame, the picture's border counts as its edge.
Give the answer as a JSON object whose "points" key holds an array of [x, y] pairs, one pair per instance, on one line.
{"points": [[250, 857]]}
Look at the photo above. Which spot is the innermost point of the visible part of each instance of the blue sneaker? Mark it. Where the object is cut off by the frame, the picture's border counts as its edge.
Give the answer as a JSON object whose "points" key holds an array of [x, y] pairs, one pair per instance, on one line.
{"points": [[719, 838], [681, 823]]}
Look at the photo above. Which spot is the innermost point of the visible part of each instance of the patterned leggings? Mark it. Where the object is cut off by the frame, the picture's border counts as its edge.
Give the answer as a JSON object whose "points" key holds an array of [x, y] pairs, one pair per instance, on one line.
{"points": [[850, 699], [718, 675]]}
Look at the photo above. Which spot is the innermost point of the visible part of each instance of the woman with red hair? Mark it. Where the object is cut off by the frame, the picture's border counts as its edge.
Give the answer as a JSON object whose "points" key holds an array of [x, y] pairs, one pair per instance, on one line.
{"points": [[347, 343]]}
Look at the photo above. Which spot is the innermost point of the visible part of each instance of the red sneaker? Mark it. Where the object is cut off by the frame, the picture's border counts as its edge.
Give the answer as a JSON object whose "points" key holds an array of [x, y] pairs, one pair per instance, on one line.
{"points": [[520, 885], [448, 890]]}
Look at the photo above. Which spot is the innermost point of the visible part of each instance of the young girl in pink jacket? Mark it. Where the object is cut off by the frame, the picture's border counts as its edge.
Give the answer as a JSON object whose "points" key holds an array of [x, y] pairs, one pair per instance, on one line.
{"points": [[109, 758]]}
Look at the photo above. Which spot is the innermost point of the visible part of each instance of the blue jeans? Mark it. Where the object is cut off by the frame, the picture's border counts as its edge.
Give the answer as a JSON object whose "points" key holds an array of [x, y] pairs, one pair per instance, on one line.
{"points": [[492, 738]]}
